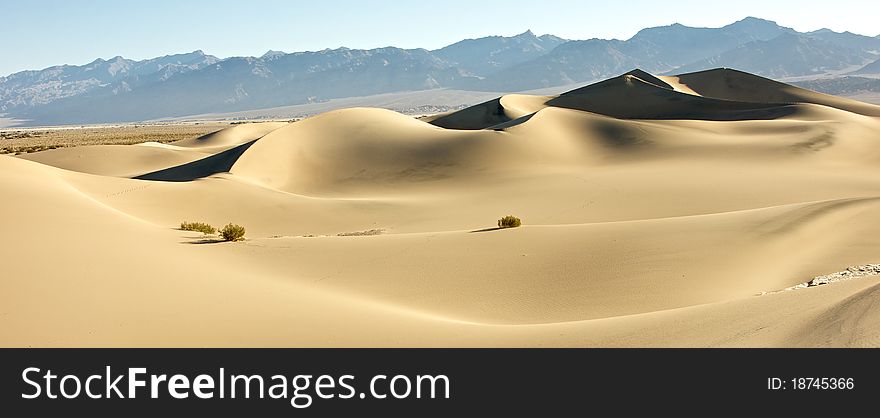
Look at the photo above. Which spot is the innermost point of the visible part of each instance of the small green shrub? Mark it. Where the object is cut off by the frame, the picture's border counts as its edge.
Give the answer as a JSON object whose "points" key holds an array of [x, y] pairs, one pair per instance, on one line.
{"points": [[198, 226], [509, 221], [232, 232]]}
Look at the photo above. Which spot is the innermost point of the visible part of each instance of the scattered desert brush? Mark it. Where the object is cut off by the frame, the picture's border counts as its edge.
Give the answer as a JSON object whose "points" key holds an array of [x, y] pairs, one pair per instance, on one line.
{"points": [[509, 221], [198, 226], [232, 232], [361, 233]]}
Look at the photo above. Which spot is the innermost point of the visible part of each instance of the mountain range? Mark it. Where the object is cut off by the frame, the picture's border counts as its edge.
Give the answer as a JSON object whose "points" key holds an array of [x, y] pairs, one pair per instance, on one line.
{"points": [[120, 89]]}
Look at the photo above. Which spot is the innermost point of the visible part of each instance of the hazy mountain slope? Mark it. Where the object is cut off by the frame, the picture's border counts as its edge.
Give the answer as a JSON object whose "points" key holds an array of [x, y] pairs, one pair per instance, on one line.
{"points": [[487, 55], [27, 89], [679, 44], [784, 56], [248, 83], [872, 68], [847, 40], [657, 49], [571, 62], [842, 86]]}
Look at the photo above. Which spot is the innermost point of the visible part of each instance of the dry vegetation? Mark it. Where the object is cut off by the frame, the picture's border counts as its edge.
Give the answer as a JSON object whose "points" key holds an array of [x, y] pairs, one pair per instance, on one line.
{"points": [[232, 232], [15, 141], [198, 226], [367, 233], [509, 221]]}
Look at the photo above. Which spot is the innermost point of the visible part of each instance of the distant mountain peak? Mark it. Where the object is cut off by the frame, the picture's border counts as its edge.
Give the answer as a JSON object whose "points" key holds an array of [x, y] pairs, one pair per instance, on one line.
{"points": [[271, 54], [754, 23], [487, 55], [832, 31], [753, 20], [548, 36]]}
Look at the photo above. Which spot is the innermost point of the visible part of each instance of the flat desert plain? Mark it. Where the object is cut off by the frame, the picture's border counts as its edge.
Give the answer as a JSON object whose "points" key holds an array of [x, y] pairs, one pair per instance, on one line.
{"points": [[656, 211]]}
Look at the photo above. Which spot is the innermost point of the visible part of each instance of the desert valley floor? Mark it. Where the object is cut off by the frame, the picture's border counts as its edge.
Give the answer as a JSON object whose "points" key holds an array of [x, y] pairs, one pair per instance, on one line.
{"points": [[657, 211]]}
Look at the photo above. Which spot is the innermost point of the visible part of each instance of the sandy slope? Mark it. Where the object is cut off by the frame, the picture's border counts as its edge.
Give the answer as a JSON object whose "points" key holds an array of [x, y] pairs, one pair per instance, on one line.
{"points": [[655, 210]]}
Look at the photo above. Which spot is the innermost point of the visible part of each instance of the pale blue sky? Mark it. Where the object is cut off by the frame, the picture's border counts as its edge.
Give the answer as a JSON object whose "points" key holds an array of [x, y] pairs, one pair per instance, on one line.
{"points": [[37, 34]]}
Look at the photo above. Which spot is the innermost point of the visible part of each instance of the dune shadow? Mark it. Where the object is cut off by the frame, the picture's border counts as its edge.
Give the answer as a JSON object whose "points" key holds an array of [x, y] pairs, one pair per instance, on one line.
{"points": [[680, 107], [479, 116], [511, 123], [618, 135], [208, 166], [630, 97]]}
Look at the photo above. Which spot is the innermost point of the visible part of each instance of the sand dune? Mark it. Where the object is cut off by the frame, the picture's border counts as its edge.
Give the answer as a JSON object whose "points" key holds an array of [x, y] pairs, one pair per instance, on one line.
{"points": [[114, 160], [235, 135], [657, 212], [150, 159], [630, 97], [730, 84], [491, 113]]}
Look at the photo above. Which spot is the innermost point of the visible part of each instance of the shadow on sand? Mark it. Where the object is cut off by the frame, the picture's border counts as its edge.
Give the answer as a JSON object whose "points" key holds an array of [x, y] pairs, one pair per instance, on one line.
{"points": [[199, 241], [486, 230], [208, 166]]}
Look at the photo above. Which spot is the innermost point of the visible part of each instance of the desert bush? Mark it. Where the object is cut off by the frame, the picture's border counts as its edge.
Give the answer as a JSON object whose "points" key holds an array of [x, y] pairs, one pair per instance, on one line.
{"points": [[198, 226], [232, 232], [509, 221], [361, 233]]}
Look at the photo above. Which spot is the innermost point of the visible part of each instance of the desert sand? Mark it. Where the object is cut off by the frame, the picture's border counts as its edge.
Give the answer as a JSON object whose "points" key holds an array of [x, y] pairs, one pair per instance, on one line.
{"points": [[657, 211], [28, 140]]}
